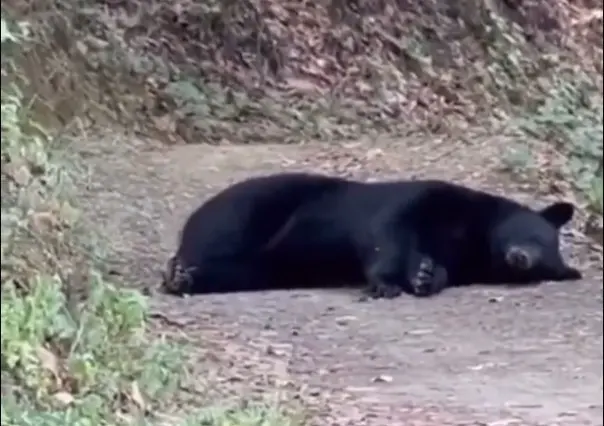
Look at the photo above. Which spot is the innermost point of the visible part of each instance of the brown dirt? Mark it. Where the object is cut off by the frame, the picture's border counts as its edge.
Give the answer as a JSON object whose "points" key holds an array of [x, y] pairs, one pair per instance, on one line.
{"points": [[472, 356]]}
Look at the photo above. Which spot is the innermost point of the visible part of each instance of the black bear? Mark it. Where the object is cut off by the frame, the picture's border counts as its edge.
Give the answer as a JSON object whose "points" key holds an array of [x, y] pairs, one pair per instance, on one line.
{"points": [[295, 230]]}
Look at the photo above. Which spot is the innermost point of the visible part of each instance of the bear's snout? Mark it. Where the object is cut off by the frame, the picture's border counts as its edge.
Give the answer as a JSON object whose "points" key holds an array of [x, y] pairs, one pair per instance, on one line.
{"points": [[522, 258]]}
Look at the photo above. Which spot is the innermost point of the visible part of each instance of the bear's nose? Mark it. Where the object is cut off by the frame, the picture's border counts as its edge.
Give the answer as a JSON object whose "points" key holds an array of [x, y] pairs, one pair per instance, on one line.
{"points": [[521, 258]]}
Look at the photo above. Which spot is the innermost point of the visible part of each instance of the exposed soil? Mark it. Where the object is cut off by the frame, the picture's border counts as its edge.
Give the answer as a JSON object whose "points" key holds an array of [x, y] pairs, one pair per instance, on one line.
{"points": [[472, 356]]}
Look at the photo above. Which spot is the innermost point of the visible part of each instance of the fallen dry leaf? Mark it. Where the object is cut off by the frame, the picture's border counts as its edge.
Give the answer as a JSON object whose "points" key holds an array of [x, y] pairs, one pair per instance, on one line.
{"points": [[48, 360], [18, 171], [68, 213], [65, 398], [165, 123], [43, 222], [137, 396], [593, 228]]}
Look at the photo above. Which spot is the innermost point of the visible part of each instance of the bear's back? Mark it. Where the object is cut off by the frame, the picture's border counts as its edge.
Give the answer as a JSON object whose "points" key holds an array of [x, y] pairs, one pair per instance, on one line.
{"points": [[245, 215]]}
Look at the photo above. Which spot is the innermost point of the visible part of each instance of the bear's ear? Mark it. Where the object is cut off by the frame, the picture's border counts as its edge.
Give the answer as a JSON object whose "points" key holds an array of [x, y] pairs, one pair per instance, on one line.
{"points": [[558, 214]]}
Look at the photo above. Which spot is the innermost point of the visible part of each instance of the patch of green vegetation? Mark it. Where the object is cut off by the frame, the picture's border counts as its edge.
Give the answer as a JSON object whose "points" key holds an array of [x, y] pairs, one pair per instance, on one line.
{"points": [[572, 118], [75, 348], [66, 359], [258, 415]]}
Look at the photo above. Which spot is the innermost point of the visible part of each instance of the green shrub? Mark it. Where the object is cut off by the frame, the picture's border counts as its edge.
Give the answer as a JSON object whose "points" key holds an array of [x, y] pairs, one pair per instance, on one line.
{"points": [[66, 360], [572, 117], [75, 347]]}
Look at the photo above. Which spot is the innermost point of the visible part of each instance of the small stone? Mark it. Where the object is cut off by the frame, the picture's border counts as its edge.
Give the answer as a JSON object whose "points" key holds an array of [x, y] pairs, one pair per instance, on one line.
{"points": [[272, 350], [314, 392], [345, 319], [382, 379]]}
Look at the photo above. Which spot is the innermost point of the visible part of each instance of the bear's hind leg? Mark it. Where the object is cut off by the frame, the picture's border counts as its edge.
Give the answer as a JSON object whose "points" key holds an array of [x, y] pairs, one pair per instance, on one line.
{"points": [[218, 276]]}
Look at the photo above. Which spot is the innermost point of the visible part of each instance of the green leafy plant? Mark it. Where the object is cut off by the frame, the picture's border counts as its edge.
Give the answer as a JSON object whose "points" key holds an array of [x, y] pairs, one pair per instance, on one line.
{"points": [[65, 360], [572, 117], [68, 359], [251, 415]]}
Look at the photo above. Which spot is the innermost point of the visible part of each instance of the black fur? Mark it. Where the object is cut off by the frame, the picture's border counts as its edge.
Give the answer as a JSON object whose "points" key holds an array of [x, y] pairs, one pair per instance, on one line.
{"points": [[298, 230]]}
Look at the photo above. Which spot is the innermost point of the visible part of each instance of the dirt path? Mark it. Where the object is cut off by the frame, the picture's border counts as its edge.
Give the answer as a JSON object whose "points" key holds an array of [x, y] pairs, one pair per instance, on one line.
{"points": [[468, 357]]}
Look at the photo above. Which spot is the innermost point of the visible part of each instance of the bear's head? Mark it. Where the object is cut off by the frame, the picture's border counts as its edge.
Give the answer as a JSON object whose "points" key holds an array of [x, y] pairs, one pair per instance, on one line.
{"points": [[526, 245]]}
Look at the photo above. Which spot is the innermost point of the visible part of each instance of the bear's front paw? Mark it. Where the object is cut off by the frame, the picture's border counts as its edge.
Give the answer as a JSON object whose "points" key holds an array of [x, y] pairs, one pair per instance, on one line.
{"points": [[429, 279]]}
